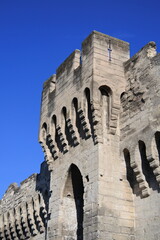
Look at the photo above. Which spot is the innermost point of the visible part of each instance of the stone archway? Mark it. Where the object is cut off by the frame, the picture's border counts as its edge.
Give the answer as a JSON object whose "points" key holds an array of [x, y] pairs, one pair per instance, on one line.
{"points": [[73, 205]]}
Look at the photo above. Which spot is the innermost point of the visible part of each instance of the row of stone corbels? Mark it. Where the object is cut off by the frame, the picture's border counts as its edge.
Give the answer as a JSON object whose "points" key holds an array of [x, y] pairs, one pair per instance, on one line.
{"points": [[47, 136], [49, 144], [91, 126], [152, 156], [25, 220]]}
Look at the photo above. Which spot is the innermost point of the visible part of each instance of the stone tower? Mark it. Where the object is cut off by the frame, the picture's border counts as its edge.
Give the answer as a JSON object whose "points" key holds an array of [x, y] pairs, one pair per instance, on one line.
{"points": [[100, 133]]}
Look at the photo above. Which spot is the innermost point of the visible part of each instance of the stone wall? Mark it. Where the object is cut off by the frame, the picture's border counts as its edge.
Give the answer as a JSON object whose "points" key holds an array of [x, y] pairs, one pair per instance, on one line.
{"points": [[99, 130], [79, 127], [140, 138], [23, 209]]}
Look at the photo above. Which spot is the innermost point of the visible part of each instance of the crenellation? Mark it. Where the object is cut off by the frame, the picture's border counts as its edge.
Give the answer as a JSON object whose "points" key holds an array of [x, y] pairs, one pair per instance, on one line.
{"points": [[70, 64], [99, 130]]}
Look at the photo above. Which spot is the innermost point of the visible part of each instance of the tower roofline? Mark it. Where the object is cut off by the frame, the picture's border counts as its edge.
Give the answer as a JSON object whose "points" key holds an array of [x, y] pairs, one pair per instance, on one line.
{"points": [[97, 33]]}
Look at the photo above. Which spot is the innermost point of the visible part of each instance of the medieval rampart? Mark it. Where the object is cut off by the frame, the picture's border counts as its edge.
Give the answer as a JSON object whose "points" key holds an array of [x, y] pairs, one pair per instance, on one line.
{"points": [[100, 133]]}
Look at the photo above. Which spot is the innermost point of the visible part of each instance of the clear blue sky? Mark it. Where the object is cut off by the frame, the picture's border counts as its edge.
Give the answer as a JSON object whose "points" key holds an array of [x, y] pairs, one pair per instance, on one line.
{"points": [[35, 37]]}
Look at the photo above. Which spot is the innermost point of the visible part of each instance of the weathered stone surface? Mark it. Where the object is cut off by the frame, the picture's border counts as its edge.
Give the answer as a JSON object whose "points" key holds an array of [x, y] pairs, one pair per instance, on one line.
{"points": [[100, 133]]}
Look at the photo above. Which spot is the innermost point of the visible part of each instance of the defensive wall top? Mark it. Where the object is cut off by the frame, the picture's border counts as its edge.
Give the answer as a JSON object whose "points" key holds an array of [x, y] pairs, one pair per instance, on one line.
{"points": [[95, 42]]}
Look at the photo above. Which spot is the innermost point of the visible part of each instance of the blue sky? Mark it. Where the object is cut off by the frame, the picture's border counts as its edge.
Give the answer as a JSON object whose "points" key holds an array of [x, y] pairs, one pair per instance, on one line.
{"points": [[35, 37]]}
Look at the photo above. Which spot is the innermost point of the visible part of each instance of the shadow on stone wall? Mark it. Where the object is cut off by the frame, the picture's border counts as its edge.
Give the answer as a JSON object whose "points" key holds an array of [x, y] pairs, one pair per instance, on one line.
{"points": [[43, 186]]}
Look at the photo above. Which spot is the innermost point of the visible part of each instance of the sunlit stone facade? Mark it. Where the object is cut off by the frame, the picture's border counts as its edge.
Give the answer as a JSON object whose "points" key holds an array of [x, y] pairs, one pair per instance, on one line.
{"points": [[100, 133]]}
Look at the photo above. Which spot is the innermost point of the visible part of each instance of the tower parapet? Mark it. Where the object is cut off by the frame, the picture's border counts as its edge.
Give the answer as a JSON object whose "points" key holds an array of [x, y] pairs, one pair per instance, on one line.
{"points": [[81, 83], [100, 133], [79, 129]]}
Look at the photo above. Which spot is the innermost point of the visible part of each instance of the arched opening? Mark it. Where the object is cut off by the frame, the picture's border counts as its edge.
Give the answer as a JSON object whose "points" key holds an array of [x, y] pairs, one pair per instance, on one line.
{"points": [[44, 131], [76, 118], [129, 171], [73, 205], [146, 169], [88, 103], [65, 127], [54, 125], [123, 99], [88, 109], [155, 147], [157, 139], [105, 102], [55, 133]]}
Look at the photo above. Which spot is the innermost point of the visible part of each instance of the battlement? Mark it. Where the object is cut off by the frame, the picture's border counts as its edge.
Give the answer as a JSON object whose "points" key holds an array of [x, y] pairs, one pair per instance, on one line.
{"points": [[98, 39], [99, 65], [69, 65], [100, 133], [96, 47]]}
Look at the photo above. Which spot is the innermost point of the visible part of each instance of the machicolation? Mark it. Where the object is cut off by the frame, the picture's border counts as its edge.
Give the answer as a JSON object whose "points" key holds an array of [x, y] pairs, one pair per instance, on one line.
{"points": [[100, 133]]}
